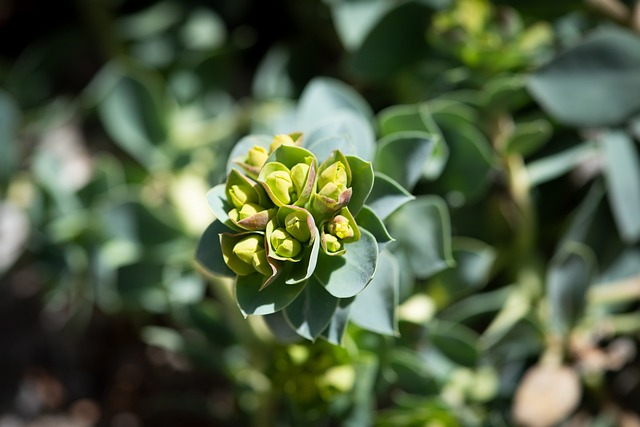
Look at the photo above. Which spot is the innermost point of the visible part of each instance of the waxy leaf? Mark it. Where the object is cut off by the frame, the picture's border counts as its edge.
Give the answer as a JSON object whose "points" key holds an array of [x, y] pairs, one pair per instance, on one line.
{"points": [[386, 196], [241, 149], [310, 313], [338, 324], [569, 276], [347, 275], [422, 232], [622, 173], [361, 182], [417, 117], [323, 97], [374, 308], [280, 327], [346, 130], [594, 83], [253, 300], [217, 199], [369, 220], [209, 250], [402, 156]]}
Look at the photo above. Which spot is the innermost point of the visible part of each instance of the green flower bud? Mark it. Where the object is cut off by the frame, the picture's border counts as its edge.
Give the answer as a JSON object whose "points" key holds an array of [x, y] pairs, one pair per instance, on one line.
{"points": [[336, 173], [239, 195], [284, 244], [332, 243], [247, 247], [296, 224], [279, 140], [340, 227], [281, 185], [257, 156], [249, 209], [332, 190], [260, 263], [299, 175]]}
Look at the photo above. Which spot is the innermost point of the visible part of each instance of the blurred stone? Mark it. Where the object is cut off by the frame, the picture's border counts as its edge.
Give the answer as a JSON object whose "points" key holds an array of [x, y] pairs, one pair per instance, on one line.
{"points": [[546, 395]]}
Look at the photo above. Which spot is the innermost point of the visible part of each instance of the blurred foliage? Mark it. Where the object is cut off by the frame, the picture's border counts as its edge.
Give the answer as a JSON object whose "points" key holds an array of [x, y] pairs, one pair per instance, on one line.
{"points": [[516, 237]]}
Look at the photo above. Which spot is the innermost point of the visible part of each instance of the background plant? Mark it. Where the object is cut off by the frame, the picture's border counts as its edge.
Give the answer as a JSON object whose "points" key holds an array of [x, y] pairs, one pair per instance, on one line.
{"points": [[512, 128]]}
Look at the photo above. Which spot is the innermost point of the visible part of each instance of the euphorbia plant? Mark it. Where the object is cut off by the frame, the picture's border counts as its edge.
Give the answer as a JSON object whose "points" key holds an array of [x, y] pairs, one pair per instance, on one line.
{"points": [[300, 219]]}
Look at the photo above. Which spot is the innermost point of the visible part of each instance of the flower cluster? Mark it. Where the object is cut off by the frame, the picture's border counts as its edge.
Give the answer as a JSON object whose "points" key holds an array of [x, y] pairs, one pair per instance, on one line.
{"points": [[284, 207]]}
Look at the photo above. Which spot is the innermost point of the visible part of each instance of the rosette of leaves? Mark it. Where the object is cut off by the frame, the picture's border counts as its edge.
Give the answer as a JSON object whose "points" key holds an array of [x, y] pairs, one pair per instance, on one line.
{"points": [[315, 252]]}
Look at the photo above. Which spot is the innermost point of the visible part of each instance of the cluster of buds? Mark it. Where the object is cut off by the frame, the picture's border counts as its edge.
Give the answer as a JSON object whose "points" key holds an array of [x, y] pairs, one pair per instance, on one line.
{"points": [[283, 205]]}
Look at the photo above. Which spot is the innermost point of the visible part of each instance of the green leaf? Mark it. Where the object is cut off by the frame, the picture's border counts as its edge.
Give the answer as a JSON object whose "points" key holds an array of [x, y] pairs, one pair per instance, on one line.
{"points": [[570, 274], [528, 137], [455, 341], [353, 19], [346, 130], [558, 164], [374, 308], [323, 97], [504, 93], [395, 42], [417, 117], [473, 262], [622, 173], [386, 196], [469, 151], [594, 83], [280, 328], [9, 121], [273, 298], [361, 182], [132, 114], [217, 199], [369, 220], [402, 156], [338, 324], [310, 313], [209, 251], [422, 232], [303, 270], [347, 275]]}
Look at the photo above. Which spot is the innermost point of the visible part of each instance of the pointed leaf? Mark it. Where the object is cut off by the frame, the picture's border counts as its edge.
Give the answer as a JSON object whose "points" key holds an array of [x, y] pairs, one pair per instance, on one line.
{"points": [[368, 219], [310, 313], [338, 324], [347, 275], [374, 308], [386, 196], [361, 182], [273, 298], [594, 83], [570, 274], [402, 156], [422, 232], [209, 250], [622, 174]]}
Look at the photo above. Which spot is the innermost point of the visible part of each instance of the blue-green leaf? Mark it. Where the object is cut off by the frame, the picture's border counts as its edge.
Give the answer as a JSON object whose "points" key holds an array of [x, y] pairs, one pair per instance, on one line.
{"points": [[354, 19], [594, 83], [422, 232], [386, 196], [402, 156], [570, 274], [273, 298], [9, 120], [323, 97], [280, 328], [209, 251], [338, 324], [622, 173], [133, 116], [241, 149], [368, 219], [347, 275], [310, 313], [374, 308], [455, 341], [361, 182], [355, 134]]}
